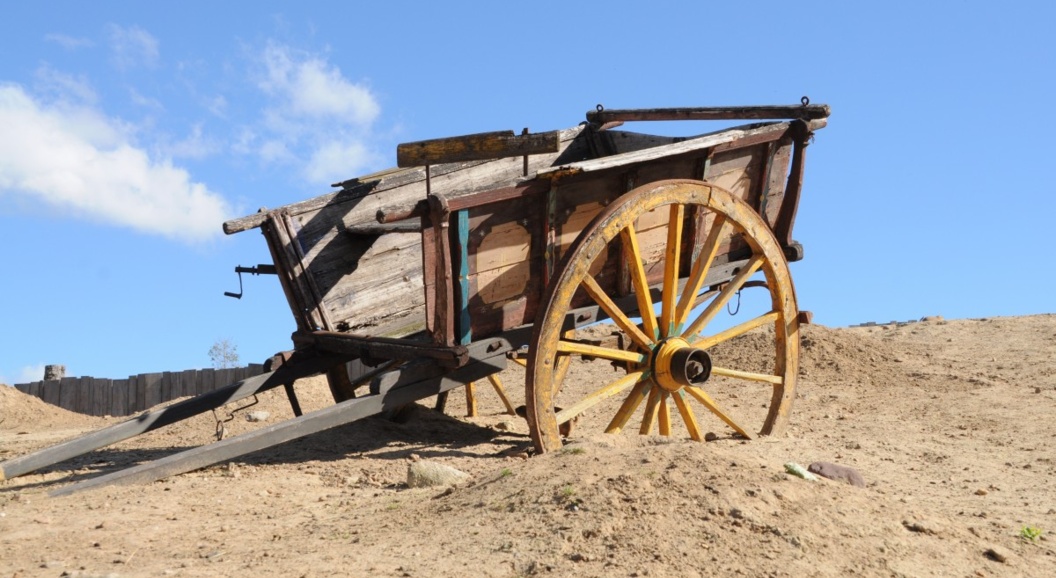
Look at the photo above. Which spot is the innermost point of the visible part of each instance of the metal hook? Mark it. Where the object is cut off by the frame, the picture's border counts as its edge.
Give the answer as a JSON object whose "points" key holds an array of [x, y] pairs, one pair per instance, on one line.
{"points": [[600, 108], [220, 429], [805, 100], [735, 311]]}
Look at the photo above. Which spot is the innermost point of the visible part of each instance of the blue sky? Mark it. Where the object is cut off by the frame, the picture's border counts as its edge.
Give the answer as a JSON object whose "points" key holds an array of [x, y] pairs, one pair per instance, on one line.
{"points": [[129, 132]]}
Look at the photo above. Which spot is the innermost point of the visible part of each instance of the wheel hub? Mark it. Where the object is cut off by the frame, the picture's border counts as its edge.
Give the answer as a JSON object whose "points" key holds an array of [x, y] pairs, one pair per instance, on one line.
{"points": [[676, 364]]}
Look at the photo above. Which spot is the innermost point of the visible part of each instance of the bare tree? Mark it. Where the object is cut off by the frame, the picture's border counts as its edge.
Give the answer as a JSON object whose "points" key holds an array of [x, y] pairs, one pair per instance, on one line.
{"points": [[224, 354]]}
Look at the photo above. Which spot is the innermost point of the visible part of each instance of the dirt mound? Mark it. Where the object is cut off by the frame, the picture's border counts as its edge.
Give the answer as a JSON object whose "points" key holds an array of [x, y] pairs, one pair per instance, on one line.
{"points": [[949, 423], [20, 411]]}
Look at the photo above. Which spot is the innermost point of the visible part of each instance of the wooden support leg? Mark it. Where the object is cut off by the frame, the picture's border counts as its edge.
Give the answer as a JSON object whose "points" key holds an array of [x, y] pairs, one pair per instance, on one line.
{"points": [[499, 389], [292, 396], [471, 400]]}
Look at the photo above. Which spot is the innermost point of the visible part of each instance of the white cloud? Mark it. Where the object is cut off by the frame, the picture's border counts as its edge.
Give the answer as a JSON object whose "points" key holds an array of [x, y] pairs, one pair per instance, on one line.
{"points": [[317, 119], [64, 86], [68, 42], [194, 146], [132, 47], [309, 87], [145, 101], [338, 160], [216, 105], [76, 159]]}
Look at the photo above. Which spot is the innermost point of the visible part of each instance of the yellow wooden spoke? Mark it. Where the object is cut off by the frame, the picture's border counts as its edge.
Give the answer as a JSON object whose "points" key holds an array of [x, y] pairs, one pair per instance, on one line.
{"points": [[641, 285], [700, 271], [709, 403], [634, 399], [719, 302], [768, 378], [687, 415], [707, 342], [602, 352], [523, 362], [672, 254], [651, 406], [599, 395], [501, 391], [665, 415], [631, 329]]}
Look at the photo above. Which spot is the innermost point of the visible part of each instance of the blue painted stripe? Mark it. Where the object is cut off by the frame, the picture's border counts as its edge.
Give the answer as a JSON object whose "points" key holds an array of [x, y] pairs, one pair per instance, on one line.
{"points": [[465, 333]]}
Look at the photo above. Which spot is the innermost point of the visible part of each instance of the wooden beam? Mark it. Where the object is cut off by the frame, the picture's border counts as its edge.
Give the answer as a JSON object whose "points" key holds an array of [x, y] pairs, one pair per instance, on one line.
{"points": [[316, 421], [802, 112], [156, 419], [475, 147], [353, 346]]}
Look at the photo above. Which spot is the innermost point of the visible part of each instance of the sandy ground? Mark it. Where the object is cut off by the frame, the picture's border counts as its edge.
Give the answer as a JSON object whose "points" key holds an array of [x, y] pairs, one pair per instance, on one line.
{"points": [[950, 423]]}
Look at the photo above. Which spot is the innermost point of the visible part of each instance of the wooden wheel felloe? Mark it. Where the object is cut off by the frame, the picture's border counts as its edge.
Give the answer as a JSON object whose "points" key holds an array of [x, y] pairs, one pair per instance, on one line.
{"points": [[681, 355]]}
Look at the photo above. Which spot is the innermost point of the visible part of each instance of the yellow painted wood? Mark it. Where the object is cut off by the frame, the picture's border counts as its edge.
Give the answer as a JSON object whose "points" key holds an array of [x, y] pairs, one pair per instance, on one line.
{"points": [[615, 224], [474, 147], [501, 391], [634, 399], [651, 406], [563, 361], [664, 413], [602, 352], [736, 330], [706, 400], [520, 361], [700, 270], [748, 375], [622, 321], [594, 398], [662, 363], [687, 415], [471, 400], [672, 255], [638, 279], [723, 297]]}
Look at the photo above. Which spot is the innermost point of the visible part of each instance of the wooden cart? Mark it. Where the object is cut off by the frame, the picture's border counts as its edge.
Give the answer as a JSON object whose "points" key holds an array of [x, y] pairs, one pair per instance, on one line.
{"points": [[491, 247]]}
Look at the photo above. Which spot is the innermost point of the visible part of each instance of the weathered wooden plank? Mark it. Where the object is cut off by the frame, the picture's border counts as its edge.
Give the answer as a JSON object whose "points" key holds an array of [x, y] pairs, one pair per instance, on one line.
{"points": [[774, 130], [316, 421], [803, 112], [372, 192], [68, 390], [475, 147], [151, 389], [137, 388], [166, 386], [206, 381], [118, 397], [189, 383], [51, 390]]}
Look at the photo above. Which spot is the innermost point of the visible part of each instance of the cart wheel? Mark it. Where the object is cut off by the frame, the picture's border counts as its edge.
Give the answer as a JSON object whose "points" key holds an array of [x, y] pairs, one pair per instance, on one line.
{"points": [[668, 361]]}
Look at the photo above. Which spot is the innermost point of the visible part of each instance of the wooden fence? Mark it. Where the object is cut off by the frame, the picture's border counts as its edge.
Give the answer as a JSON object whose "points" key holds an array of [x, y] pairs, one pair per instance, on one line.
{"points": [[119, 397]]}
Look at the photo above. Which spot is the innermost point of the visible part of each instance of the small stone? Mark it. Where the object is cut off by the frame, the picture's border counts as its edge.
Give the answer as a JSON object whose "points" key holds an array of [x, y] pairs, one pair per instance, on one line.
{"points": [[837, 472], [1037, 390], [711, 436], [981, 492], [424, 473], [503, 426], [997, 554], [256, 416], [922, 527]]}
